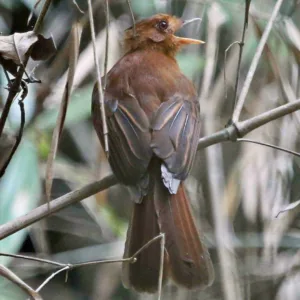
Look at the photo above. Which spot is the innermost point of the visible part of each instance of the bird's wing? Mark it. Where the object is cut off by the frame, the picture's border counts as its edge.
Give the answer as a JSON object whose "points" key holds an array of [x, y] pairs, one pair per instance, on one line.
{"points": [[128, 136], [176, 130]]}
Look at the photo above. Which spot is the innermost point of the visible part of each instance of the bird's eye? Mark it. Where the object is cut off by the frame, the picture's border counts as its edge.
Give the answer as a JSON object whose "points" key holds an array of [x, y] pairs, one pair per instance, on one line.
{"points": [[163, 25]]}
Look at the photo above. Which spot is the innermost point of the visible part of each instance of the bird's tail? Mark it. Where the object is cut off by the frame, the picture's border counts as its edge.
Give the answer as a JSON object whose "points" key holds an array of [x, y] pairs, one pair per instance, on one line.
{"points": [[186, 257]]}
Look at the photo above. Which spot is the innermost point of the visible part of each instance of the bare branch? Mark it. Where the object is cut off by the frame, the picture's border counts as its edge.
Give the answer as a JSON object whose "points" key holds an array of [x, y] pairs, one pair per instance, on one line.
{"points": [[240, 129], [254, 63], [19, 282], [99, 83], [241, 44], [56, 205], [68, 267], [41, 260]]}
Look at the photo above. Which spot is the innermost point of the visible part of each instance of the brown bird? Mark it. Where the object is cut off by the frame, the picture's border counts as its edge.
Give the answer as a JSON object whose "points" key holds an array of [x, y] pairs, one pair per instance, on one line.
{"points": [[153, 121]]}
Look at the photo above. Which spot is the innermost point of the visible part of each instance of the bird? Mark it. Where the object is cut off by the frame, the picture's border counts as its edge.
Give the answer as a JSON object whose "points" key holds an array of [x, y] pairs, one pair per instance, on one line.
{"points": [[152, 115]]}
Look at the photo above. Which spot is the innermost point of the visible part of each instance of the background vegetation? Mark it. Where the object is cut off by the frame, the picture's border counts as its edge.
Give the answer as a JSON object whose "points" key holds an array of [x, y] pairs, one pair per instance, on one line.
{"points": [[237, 189]]}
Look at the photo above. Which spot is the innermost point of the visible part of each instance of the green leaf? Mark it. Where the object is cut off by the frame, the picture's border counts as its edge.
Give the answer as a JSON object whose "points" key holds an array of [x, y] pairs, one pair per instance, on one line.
{"points": [[20, 191]]}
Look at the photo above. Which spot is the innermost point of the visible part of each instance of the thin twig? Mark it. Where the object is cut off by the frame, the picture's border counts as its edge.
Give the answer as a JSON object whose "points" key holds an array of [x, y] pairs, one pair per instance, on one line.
{"points": [[99, 83], [254, 63], [230, 133], [132, 259], [51, 277], [77, 6], [225, 63], [146, 245], [41, 17], [241, 44], [270, 146], [106, 42], [132, 18], [106, 261], [21, 129], [41, 260], [69, 267], [161, 268]]}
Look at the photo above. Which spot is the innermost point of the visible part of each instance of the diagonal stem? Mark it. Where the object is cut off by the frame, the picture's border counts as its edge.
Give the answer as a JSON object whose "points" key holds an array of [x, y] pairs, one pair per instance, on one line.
{"points": [[254, 63]]}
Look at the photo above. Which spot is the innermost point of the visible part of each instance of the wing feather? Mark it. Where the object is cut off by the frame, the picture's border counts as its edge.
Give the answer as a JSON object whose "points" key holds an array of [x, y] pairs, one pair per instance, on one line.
{"points": [[128, 136], [175, 134]]}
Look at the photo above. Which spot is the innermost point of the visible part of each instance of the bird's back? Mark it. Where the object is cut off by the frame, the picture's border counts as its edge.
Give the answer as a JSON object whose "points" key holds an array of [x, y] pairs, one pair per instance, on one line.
{"points": [[151, 77]]}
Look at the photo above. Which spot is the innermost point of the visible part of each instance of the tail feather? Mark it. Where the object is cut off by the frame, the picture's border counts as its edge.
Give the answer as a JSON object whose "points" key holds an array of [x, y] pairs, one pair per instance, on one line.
{"points": [[187, 259], [144, 273]]}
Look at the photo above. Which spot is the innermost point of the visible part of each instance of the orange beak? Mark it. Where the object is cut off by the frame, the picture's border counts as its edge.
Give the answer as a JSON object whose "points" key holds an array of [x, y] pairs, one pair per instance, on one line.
{"points": [[188, 41]]}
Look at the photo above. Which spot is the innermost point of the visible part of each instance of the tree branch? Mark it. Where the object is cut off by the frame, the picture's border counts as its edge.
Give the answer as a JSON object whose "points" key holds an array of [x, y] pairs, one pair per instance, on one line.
{"points": [[56, 205], [19, 282], [240, 129]]}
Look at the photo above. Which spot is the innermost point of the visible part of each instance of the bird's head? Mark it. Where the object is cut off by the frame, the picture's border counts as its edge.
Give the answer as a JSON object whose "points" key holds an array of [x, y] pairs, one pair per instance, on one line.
{"points": [[157, 32]]}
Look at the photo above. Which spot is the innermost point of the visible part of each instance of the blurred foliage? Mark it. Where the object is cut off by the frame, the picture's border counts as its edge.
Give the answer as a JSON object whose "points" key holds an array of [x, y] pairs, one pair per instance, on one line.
{"points": [[257, 181], [20, 193]]}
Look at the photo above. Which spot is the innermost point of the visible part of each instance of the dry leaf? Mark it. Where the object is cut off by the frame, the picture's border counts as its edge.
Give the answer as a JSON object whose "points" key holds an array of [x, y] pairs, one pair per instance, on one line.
{"points": [[14, 48], [73, 57]]}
